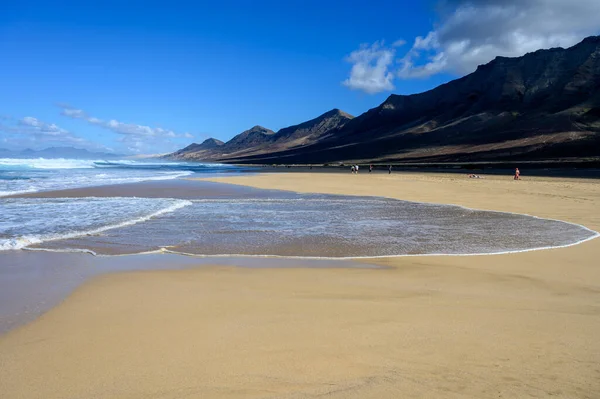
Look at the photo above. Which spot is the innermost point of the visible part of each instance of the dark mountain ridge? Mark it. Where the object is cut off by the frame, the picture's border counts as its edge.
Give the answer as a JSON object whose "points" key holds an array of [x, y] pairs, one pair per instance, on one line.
{"points": [[260, 140], [250, 138], [545, 104]]}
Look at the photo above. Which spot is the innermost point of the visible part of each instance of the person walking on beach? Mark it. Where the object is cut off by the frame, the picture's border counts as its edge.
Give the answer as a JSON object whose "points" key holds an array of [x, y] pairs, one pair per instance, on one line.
{"points": [[352, 169], [370, 168], [390, 170], [356, 167], [517, 174]]}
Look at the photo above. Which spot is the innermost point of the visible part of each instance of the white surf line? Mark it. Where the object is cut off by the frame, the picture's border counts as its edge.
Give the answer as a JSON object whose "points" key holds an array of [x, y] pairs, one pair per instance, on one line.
{"points": [[164, 250], [595, 234], [25, 241], [62, 250], [375, 256], [114, 181]]}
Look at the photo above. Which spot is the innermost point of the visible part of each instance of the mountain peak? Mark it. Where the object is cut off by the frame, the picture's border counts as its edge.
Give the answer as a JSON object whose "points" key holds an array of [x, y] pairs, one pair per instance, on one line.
{"points": [[211, 142], [259, 129], [207, 144], [591, 39], [336, 112]]}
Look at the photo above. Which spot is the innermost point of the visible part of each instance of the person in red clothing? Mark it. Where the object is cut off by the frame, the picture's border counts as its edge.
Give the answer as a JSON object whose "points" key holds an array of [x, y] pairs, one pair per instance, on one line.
{"points": [[517, 174]]}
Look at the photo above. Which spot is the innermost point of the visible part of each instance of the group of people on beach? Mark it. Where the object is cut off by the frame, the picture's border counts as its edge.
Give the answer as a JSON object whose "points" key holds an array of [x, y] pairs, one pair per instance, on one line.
{"points": [[354, 169]]}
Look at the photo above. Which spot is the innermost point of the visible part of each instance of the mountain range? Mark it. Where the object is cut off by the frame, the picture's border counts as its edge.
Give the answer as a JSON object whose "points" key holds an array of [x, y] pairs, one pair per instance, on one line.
{"points": [[544, 105]]}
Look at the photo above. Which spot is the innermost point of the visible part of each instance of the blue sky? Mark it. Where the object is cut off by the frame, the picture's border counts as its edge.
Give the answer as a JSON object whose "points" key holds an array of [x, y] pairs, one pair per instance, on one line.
{"points": [[151, 77]]}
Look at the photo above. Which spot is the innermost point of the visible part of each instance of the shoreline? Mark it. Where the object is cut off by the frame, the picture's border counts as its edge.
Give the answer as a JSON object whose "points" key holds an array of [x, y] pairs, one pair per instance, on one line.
{"points": [[517, 325], [215, 187]]}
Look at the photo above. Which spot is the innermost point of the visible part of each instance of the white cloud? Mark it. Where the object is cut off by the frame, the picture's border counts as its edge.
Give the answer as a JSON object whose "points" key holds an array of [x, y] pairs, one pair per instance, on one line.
{"points": [[136, 138], [42, 128], [370, 68], [469, 33], [73, 113], [121, 127], [37, 132], [399, 43]]}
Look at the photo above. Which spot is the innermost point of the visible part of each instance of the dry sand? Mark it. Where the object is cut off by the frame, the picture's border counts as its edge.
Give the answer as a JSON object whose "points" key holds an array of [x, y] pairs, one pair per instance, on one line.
{"points": [[506, 326]]}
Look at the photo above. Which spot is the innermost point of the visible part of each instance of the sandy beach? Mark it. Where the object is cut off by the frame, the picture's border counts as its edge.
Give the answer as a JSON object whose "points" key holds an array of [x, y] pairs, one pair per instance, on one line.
{"points": [[510, 326]]}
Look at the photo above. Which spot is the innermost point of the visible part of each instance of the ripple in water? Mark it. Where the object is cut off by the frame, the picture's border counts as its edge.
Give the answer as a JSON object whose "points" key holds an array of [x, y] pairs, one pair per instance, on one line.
{"points": [[328, 226]]}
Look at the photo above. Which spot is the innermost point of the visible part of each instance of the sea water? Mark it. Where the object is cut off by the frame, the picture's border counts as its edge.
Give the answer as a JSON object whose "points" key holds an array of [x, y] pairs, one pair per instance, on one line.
{"points": [[27, 221], [250, 222], [299, 225], [19, 176]]}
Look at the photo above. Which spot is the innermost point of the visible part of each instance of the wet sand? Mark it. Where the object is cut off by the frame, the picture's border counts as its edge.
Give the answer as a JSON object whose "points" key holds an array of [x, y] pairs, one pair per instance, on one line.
{"points": [[32, 282], [516, 325], [181, 188]]}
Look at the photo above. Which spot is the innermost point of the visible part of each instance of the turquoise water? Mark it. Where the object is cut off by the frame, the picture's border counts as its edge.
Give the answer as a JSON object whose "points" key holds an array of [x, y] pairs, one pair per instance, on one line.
{"points": [[19, 176]]}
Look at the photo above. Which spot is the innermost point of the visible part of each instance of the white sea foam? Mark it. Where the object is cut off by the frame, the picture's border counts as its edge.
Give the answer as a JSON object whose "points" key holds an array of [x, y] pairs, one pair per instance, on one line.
{"points": [[59, 179], [75, 180], [308, 227], [33, 221], [44, 163], [66, 163], [20, 176], [166, 250], [336, 228]]}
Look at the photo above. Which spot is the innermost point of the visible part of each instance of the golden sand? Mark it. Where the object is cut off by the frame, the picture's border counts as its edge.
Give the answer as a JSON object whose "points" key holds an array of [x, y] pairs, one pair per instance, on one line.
{"points": [[511, 326]]}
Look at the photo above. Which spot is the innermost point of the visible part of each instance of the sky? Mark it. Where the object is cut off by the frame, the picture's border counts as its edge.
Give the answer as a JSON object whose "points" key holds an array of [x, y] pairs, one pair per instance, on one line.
{"points": [[148, 77]]}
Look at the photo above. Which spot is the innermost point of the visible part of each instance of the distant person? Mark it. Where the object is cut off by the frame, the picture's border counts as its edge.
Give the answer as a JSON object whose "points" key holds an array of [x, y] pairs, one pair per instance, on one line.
{"points": [[352, 169], [370, 168], [517, 174], [390, 170], [356, 166]]}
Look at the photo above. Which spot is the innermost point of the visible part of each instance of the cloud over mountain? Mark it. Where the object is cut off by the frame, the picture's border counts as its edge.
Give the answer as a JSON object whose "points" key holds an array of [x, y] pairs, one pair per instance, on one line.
{"points": [[371, 68], [469, 33]]}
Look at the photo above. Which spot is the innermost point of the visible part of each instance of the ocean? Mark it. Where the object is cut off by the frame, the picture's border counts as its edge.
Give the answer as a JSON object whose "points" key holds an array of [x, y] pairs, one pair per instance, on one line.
{"points": [[149, 208], [19, 176]]}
